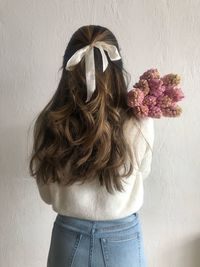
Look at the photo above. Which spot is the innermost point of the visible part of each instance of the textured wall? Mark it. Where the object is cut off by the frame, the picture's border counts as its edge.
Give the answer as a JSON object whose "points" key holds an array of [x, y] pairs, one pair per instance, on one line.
{"points": [[163, 34]]}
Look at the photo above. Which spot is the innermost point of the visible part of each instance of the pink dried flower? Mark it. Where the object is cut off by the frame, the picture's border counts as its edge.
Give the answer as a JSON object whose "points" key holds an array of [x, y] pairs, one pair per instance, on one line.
{"points": [[150, 74], [149, 100], [154, 96], [176, 94], [171, 79], [164, 101], [135, 97], [141, 111], [155, 112], [172, 111], [143, 86], [156, 87]]}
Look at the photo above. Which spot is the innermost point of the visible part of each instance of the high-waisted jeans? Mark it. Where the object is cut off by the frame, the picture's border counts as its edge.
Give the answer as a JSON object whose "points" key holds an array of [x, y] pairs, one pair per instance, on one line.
{"points": [[86, 243]]}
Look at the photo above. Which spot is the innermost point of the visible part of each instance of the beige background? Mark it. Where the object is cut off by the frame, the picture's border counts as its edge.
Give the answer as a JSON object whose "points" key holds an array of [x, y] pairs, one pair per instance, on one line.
{"points": [[163, 34]]}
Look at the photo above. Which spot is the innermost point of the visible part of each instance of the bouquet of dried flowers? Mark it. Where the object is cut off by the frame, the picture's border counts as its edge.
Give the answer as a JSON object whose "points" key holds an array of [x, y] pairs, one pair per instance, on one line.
{"points": [[155, 96]]}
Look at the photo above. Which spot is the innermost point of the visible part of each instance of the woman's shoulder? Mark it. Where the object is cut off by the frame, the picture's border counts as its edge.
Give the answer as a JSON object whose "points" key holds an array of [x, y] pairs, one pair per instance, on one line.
{"points": [[144, 125]]}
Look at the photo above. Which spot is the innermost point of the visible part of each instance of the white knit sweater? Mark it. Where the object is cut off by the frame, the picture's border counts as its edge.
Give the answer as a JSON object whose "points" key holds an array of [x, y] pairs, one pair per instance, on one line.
{"points": [[90, 200]]}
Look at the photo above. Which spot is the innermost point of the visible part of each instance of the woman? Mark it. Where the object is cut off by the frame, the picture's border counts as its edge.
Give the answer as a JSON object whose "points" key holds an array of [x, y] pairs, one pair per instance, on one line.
{"points": [[90, 157]]}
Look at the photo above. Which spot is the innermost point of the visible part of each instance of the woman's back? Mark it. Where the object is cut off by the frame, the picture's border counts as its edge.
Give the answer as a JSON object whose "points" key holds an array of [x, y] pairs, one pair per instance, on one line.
{"points": [[92, 201]]}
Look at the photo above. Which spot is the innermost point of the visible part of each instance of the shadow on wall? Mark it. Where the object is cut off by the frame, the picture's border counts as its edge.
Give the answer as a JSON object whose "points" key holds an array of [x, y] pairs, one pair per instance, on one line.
{"points": [[186, 255]]}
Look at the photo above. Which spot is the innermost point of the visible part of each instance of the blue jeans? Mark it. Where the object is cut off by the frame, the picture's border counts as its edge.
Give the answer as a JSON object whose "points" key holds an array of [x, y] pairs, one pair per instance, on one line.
{"points": [[86, 243]]}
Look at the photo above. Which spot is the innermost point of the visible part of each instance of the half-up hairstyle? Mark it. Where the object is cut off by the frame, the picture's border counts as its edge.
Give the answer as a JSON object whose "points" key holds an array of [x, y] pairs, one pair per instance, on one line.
{"points": [[87, 136]]}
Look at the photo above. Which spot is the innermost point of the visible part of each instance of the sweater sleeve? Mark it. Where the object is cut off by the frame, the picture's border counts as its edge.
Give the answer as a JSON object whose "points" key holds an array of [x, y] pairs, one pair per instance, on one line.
{"points": [[44, 191], [149, 134]]}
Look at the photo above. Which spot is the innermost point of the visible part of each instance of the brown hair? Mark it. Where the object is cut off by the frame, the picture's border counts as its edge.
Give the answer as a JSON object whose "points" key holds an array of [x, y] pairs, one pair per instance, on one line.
{"points": [[88, 135]]}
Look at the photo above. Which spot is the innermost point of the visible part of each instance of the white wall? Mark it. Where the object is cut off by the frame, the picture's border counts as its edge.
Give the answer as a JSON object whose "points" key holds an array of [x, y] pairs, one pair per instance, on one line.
{"points": [[163, 34]]}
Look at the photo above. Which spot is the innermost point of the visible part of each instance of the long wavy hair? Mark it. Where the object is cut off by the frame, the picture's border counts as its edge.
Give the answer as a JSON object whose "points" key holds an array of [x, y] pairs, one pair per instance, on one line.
{"points": [[87, 136]]}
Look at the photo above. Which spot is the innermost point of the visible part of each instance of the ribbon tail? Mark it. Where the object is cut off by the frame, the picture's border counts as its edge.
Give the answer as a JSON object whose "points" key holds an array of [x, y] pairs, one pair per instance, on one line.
{"points": [[104, 58], [90, 73]]}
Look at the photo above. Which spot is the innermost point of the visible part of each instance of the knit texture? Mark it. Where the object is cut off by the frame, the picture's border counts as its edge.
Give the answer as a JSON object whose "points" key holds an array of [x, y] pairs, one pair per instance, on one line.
{"points": [[90, 200]]}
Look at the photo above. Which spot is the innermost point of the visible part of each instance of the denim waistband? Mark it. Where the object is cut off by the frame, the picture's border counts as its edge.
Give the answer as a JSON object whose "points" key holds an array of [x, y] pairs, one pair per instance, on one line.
{"points": [[88, 226]]}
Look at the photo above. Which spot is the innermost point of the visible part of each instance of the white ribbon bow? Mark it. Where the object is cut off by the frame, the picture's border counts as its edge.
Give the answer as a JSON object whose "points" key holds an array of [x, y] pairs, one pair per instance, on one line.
{"points": [[88, 52]]}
